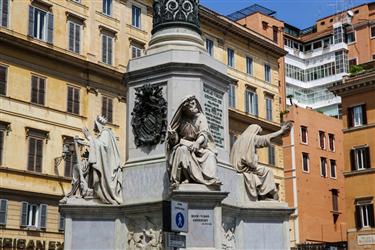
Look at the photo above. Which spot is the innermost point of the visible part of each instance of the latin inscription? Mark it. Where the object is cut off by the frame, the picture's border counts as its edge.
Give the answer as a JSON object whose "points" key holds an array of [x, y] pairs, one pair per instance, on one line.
{"points": [[213, 107], [368, 239]]}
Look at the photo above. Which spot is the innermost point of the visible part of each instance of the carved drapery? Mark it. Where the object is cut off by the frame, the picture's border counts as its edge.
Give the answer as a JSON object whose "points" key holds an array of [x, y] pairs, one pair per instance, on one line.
{"points": [[176, 13]]}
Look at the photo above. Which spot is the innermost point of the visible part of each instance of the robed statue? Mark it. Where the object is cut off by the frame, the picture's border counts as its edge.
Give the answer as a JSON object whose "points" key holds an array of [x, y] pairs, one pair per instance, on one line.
{"points": [[259, 180], [98, 172], [190, 148]]}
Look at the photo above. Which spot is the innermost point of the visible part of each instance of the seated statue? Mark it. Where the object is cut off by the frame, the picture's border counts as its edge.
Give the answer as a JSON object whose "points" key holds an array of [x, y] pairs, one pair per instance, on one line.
{"points": [[259, 180], [191, 151], [98, 172]]}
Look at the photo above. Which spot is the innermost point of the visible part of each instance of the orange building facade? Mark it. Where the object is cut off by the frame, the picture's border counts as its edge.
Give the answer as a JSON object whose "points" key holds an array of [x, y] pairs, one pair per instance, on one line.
{"points": [[358, 102], [314, 179]]}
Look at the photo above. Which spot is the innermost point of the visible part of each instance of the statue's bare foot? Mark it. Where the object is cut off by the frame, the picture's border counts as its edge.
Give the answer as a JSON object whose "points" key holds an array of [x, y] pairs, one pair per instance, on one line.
{"points": [[175, 185], [185, 181]]}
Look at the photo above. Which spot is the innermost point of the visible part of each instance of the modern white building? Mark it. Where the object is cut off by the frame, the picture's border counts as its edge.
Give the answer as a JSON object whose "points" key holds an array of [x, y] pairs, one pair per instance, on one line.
{"points": [[315, 62]]}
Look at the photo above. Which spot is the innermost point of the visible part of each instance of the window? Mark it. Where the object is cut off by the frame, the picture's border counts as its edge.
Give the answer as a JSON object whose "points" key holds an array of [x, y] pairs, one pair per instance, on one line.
{"points": [[305, 162], [136, 51], [136, 16], [74, 36], [34, 215], [335, 200], [73, 100], [107, 49], [3, 80], [333, 169], [61, 222], [35, 154], [350, 37], [230, 57], [360, 158], [364, 214], [249, 65], [107, 108], [304, 135], [232, 95], [323, 167], [4, 12], [267, 73], [70, 158], [357, 116], [275, 34], [38, 90], [3, 211], [77, 1], [373, 57], [338, 35], [40, 24], [372, 31], [107, 7], [332, 146], [269, 108], [210, 46], [341, 60], [2, 133], [251, 102], [352, 62], [317, 45], [322, 140], [308, 47], [271, 155]]}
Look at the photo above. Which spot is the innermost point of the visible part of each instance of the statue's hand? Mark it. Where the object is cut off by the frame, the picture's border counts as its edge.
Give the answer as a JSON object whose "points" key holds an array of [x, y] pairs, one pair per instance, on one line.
{"points": [[286, 126], [86, 133], [194, 147]]}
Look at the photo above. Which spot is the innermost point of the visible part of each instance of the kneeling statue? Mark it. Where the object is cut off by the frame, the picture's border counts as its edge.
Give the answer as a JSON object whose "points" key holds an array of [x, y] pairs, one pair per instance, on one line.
{"points": [[259, 180], [191, 151]]}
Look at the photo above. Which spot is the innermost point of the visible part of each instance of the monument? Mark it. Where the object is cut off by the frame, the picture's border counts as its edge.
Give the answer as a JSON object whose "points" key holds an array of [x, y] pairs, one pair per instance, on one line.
{"points": [[177, 152]]}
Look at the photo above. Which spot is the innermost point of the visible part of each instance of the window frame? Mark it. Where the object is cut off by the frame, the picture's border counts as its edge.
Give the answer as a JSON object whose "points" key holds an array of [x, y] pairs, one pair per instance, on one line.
{"points": [[331, 168], [322, 144], [301, 135], [232, 96], [106, 109], [267, 73], [360, 206], [372, 34], [4, 212], [251, 103], [269, 108], [210, 50], [360, 158], [231, 57], [354, 35], [332, 136], [73, 101], [307, 161], [353, 120], [6, 73], [38, 101], [271, 155], [249, 65], [112, 38], [7, 14], [138, 49], [136, 19], [75, 24], [105, 11], [325, 175]]}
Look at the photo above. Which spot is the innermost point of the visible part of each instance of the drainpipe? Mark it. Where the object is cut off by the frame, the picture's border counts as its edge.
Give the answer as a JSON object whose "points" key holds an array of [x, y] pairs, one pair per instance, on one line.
{"points": [[294, 178]]}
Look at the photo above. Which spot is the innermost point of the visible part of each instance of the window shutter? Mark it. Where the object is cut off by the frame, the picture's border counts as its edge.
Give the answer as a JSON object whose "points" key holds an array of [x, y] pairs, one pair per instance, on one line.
{"points": [[104, 47], [3, 212], [43, 216], [1, 146], [371, 215], [110, 44], [31, 20], [247, 108], [5, 10], [358, 218], [50, 28], [34, 89], [71, 36], [350, 118], [110, 110], [68, 165], [76, 101], [24, 214], [352, 160], [39, 155], [31, 158], [77, 38], [42, 91], [69, 103], [364, 115], [367, 158], [256, 104], [104, 106], [3, 79]]}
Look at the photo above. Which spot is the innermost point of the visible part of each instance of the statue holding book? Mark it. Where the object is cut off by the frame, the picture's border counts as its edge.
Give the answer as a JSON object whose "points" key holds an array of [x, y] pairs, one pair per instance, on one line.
{"points": [[191, 151]]}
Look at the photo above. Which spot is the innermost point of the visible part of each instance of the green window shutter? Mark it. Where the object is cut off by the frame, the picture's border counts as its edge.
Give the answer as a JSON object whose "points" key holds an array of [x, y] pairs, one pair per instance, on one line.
{"points": [[43, 216], [50, 28], [31, 21], [24, 209], [3, 211]]}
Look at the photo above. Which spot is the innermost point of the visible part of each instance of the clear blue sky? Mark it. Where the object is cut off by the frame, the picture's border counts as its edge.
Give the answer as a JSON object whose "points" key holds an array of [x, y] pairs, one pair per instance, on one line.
{"points": [[299, 13]]}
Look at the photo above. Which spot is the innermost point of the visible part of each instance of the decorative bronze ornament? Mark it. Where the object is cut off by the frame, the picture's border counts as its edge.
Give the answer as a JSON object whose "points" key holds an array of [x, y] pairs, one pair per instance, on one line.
{"points": [[176, 13], [149, 116]]}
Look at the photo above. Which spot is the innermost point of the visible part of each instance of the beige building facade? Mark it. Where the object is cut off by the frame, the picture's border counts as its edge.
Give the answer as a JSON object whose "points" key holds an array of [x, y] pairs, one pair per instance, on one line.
{"points": [[62, 64]]}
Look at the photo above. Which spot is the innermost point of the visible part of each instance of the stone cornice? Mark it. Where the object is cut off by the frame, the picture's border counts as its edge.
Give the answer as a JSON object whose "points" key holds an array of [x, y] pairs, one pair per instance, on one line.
{"points": [[357, 84]]}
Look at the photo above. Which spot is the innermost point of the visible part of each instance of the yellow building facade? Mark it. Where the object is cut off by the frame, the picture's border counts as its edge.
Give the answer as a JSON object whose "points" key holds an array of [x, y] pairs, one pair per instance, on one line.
{"points": [[62, 64]]}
